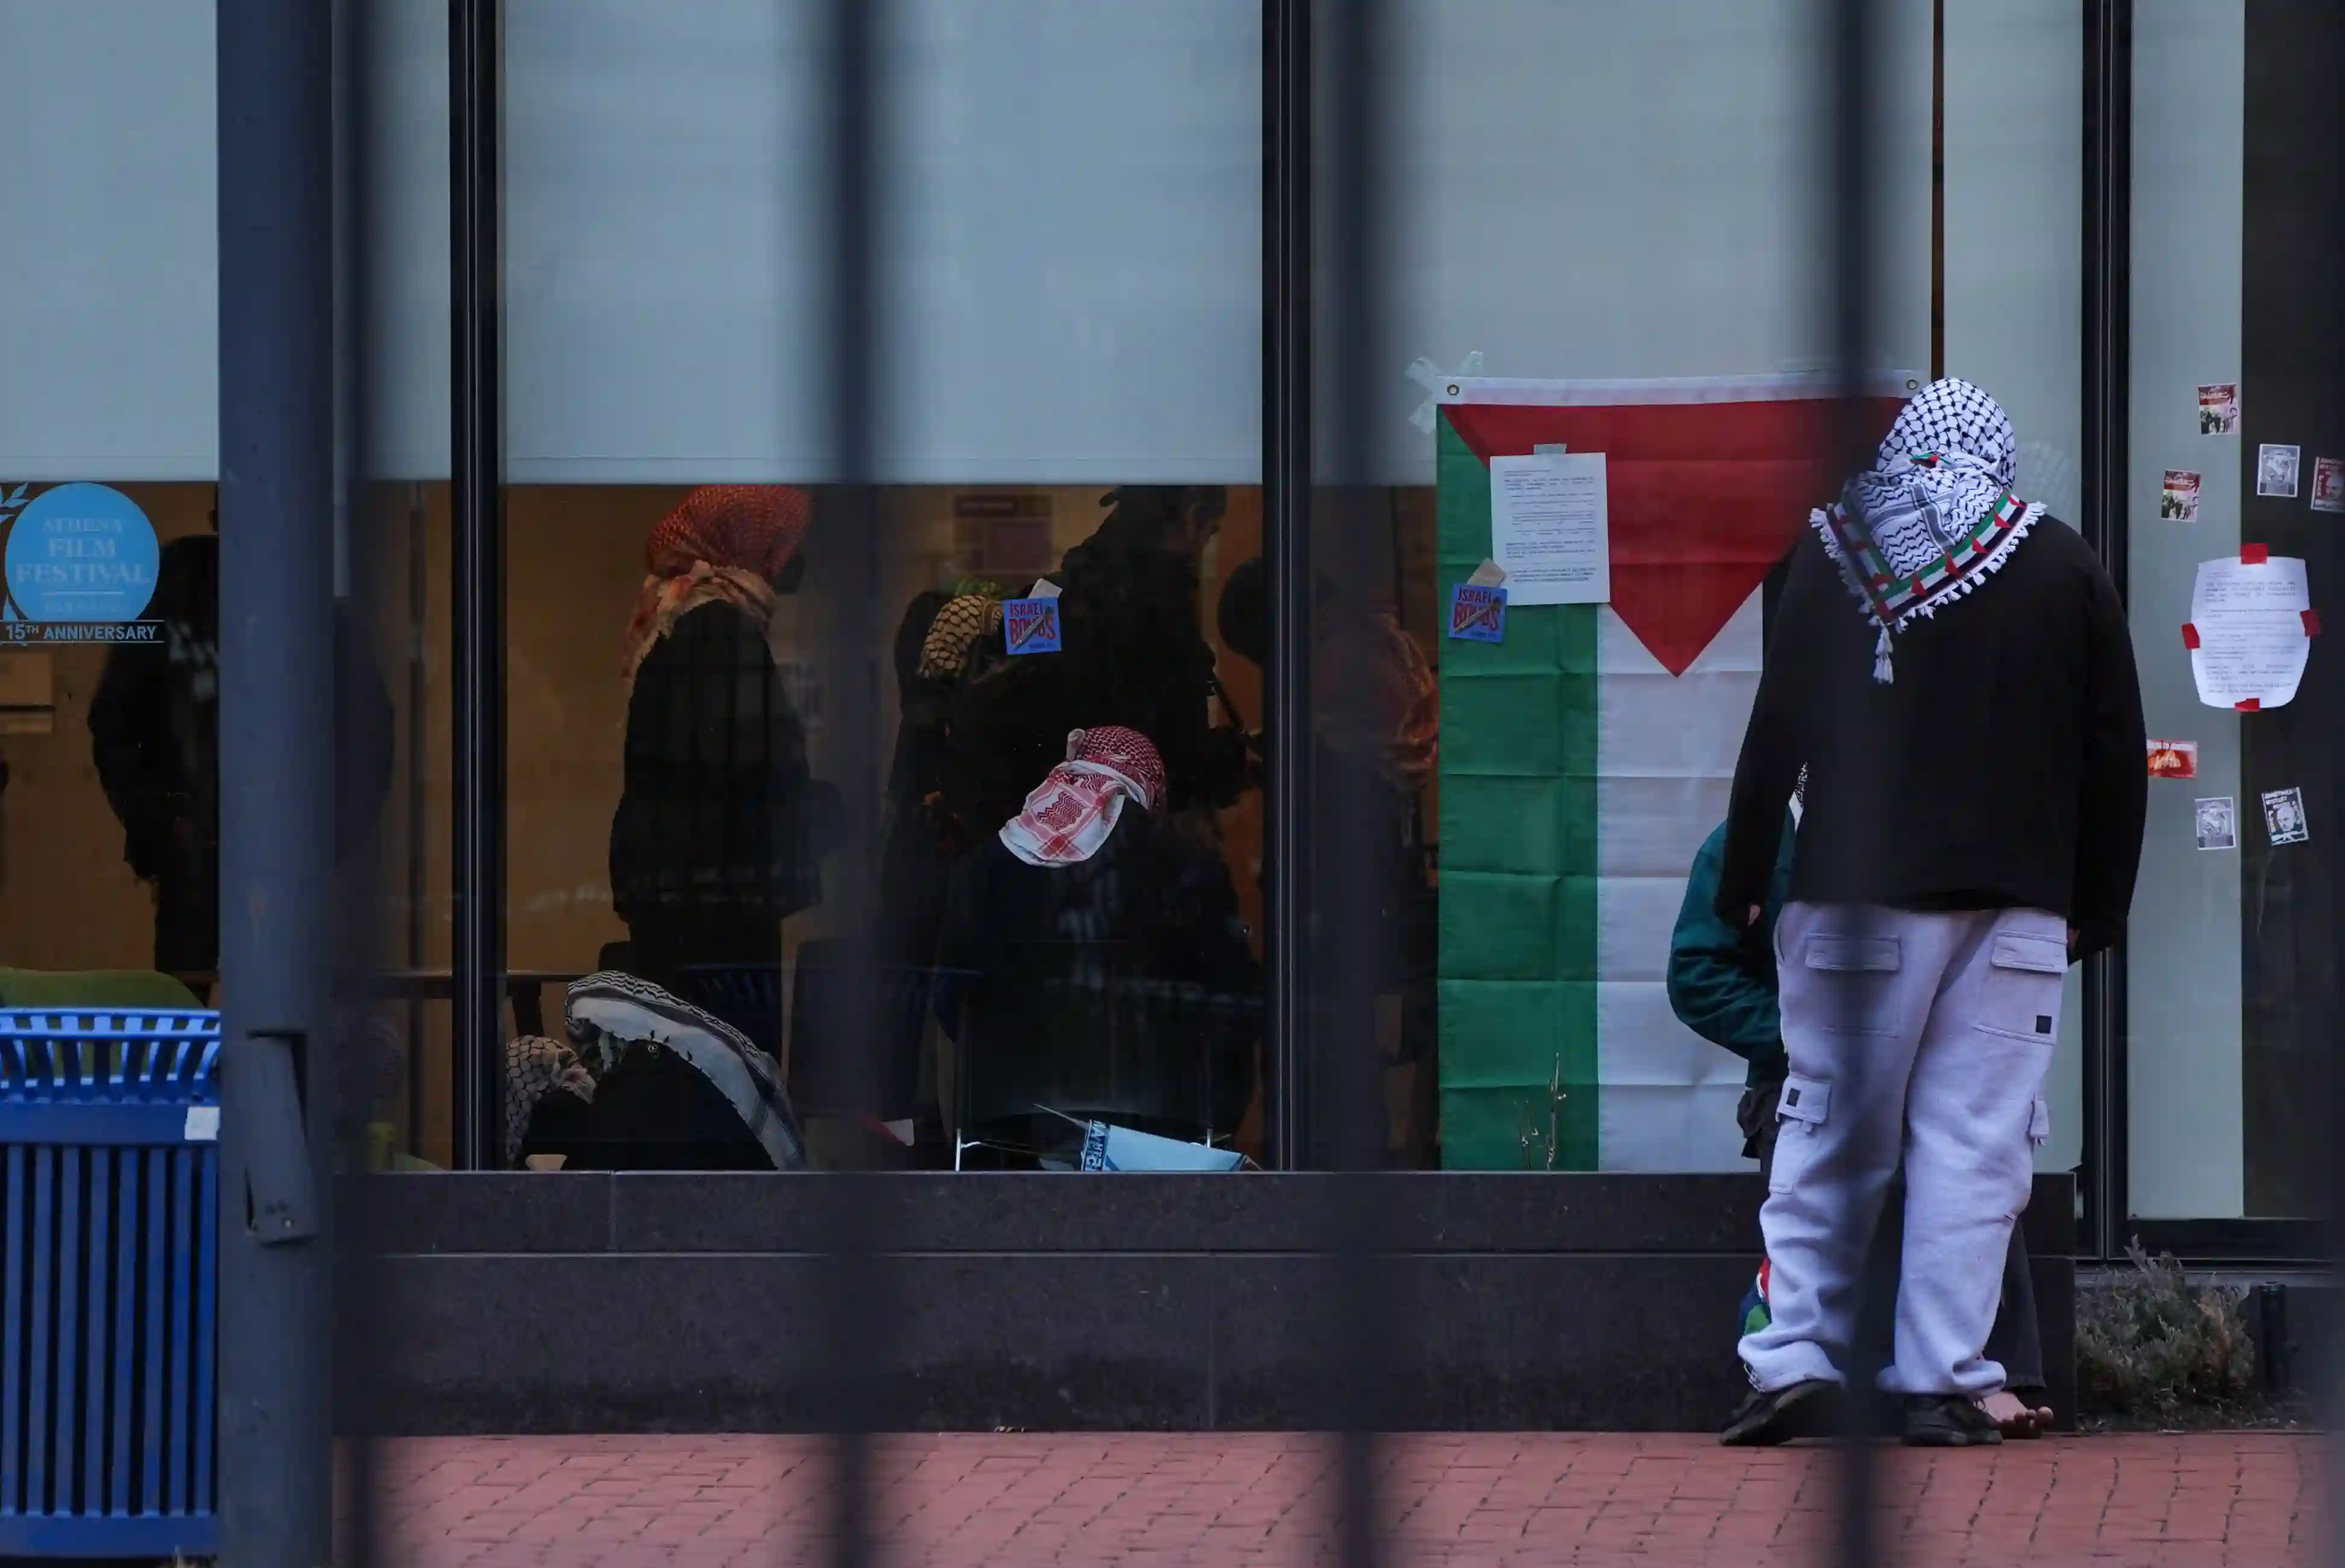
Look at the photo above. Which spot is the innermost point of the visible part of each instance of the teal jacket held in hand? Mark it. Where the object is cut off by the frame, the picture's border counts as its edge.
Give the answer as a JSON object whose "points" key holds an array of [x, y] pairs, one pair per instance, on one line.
{"points": [[1722, 981]]}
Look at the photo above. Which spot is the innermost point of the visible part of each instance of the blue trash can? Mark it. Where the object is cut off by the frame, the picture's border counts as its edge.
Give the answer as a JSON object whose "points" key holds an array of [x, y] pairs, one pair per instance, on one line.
{"points": [[109, 1177]]}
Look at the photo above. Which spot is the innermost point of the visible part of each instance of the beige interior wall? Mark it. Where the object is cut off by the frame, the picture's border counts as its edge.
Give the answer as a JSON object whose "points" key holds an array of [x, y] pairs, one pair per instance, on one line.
{"points": [[574, 561]]}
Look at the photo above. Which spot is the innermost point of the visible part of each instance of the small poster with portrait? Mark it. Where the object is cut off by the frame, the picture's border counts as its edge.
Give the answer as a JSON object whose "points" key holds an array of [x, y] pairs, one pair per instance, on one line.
{"points": [[2276, 470], [2179, 501], [2219, 409], [2284, 821], [2328, 484]]}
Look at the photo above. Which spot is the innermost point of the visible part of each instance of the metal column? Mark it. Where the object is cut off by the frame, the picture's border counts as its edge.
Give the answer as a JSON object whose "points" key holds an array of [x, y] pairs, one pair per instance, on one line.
{"points": [[276, 449], [475, 76], [1286, 222], [851, 1382]]}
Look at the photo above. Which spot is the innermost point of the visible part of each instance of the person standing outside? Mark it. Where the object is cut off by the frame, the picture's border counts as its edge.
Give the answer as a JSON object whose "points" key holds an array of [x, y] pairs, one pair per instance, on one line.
{"points": [[1722, 985], [1954, 669]]}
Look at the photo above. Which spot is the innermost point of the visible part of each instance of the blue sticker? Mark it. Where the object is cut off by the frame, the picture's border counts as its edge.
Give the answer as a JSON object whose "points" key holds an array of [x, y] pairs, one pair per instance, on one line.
{"points": [[81, 553], [1032, 625], [1477, 613]]}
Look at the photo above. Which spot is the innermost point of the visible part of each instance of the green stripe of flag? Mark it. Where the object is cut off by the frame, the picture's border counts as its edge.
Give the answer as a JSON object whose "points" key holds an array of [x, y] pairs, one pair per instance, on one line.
{"points": [[1518, 841]]}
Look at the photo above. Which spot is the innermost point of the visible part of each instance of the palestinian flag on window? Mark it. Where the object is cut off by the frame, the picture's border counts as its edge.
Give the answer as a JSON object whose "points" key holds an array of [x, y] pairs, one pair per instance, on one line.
{"points": [[1585, 757]]}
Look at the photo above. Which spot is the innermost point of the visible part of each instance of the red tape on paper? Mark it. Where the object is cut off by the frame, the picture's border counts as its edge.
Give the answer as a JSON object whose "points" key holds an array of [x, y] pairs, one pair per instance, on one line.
{"points": [[2312, 624], [2254, 554], [2251, 705], [2189, 636]]}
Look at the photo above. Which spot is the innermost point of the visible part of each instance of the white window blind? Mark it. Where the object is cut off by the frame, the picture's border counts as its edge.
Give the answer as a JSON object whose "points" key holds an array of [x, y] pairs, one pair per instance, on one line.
{"points": [[1070, 218], [108, 282], [1635, 190]]}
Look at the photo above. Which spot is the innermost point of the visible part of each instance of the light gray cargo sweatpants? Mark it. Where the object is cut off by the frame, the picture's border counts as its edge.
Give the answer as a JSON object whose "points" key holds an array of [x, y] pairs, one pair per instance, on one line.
{"points": [[1921, 1037]]}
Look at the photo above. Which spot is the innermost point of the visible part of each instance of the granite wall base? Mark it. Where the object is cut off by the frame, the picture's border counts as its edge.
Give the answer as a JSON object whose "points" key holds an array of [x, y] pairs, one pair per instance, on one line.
{"points": [[577, 1303]]}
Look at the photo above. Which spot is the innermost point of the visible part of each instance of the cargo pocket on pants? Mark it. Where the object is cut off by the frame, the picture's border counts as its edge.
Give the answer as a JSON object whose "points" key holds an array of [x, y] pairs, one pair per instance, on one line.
{"points": [[1801, 1109], [1850, 983], [2020, 997], [2022, 1173]]}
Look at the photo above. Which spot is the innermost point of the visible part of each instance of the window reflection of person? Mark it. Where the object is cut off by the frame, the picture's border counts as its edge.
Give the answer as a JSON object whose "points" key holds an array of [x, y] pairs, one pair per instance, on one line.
{"points": [[1379, 718], [1093, 962], [720, 823], [1134, 653], [154, 728]]}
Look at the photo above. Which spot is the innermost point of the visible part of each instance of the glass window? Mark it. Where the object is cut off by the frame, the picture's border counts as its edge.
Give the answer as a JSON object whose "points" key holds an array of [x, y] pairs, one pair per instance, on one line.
{"points": [[108, 806], [2231, 972], [1636, 268], [2184, 1003], [1631, 268], [738, 749], [109, 671]]}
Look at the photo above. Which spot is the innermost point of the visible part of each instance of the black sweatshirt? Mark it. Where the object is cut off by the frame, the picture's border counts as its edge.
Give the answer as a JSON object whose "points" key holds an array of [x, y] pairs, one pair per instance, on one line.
{"points": [[2003, 768]]}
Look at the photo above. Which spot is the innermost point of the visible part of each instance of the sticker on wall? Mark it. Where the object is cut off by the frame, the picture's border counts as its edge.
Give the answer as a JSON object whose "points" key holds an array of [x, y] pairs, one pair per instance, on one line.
{"points": [[2218, 824], [2219, 409], [2179, 498], [2328, 484], [2276, 469], [81, 562], [1031, 625], [2284, 816], [1477, 613], [2173, 759], [2250, 630]]}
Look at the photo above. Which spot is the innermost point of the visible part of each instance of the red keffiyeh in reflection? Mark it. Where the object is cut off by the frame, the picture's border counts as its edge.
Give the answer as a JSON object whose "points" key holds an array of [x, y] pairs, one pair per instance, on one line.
{"points": [[727, 541], [1070, 813]]}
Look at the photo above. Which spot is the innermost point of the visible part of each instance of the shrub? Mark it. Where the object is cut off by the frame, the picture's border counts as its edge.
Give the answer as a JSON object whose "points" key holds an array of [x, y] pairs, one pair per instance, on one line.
{"points": [[2150, 1344]]}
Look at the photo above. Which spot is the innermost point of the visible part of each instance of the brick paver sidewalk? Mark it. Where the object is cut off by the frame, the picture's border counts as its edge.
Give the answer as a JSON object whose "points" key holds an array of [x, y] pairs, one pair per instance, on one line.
{"points": [[2242, 1501]]}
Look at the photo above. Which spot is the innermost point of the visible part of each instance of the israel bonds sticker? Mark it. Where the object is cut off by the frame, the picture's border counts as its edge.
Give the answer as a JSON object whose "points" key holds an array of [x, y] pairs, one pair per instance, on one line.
{"points": [[81, 562], [1031, 625], [1477, 613]]}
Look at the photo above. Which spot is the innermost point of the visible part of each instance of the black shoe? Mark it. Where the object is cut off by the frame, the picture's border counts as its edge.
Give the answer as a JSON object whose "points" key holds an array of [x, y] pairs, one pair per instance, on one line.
{"points": [[1767, 1417], [1947, 1420]]}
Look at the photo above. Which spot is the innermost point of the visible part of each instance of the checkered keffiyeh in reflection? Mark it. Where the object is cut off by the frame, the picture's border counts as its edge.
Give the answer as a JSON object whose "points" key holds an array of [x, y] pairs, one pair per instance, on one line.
{"points": [[1073, 811], [944, 652]]}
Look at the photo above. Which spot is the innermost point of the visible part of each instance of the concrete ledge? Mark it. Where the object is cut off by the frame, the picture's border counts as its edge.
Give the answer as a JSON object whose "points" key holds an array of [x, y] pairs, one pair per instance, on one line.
{"points": [[553, 1304]]}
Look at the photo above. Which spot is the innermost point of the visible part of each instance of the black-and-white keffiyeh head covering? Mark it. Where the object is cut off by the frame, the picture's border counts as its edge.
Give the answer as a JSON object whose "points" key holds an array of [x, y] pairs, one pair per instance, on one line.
{"points": [[1934, 516]]}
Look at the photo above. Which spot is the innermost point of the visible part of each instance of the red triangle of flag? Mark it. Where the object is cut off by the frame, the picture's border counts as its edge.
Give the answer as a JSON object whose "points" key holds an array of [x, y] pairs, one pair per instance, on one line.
{"points": [[1703, 498]]}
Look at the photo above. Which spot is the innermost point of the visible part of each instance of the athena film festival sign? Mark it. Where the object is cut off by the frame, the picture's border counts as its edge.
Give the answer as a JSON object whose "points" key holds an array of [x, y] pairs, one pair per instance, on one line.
{"points": [[81, 562]]}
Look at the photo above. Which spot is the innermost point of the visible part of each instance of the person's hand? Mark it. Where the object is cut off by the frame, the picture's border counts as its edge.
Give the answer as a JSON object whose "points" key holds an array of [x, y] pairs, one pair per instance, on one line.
{"points": [[1752, 919]]}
